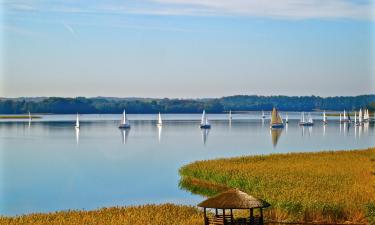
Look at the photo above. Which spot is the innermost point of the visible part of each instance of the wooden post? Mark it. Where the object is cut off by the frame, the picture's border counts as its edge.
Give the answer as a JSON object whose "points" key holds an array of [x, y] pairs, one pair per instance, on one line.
{"points": [[224, 216], [231, 216], [251, 216], [205, 216], [261, 217]]}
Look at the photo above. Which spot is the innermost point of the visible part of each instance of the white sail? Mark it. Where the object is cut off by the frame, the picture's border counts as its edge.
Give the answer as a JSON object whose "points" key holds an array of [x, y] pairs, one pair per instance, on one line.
{"points": [[366, 117], [340, 117], [77, 121], [123, 120], [206, 121], [324, 117], [344, 115], [360, 116], [203, 119], [355, 117], [287, 118], [160, 122], [302, 117], [230, 115], [30, 118], [310, 118]]}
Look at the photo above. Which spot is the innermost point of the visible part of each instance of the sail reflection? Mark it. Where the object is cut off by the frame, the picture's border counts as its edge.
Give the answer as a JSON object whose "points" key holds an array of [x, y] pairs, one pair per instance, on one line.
{"points": [[307, 130], [275, 135], [205, 133], [77, 135], [159, 133], [124, 135]]}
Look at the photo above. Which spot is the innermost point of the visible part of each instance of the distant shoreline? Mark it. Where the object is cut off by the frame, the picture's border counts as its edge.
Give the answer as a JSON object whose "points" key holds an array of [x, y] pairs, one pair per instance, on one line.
{"points": [[239, 103]]}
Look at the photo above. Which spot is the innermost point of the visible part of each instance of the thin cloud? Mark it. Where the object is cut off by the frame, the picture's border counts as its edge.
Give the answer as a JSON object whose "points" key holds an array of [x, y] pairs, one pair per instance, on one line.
{"points": [[294, 9], [284, 9], [69, 28]]}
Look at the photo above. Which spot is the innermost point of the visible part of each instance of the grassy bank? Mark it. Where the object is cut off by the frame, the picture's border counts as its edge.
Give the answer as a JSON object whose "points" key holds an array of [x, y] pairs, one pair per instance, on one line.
{"points": [[138, 215], [19, 117], [325, 186]]}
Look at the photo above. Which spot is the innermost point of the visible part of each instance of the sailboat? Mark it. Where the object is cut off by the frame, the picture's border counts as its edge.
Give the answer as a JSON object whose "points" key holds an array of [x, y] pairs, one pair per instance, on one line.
{"points": [[366, 117], [303, 122], [360, 117], [205, 124], [30, 118], [325, 118], [355, 118], [346, 118], [160, 122], [340, 118], [263, 116], [286, 118], [276, 121], [77, 122], [230, 115], [124, 124]]}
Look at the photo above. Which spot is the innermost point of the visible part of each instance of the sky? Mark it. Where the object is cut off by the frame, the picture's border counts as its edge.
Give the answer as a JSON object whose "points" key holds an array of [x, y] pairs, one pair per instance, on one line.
{"points": [[186, 48]]}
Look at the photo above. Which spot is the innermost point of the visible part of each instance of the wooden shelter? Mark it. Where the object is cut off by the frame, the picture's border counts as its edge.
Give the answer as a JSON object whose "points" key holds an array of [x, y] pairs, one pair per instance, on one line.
{"points": [[230, 200]]}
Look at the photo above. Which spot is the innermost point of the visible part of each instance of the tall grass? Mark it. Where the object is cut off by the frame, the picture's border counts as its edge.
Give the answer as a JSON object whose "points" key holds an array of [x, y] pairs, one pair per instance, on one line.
{"points": [[165, 214], [326, 186]]}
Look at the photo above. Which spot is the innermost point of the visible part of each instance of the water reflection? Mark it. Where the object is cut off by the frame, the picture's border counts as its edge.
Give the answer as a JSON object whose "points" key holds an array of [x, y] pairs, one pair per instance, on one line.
{"points": [[124, 135], [46, 148], [205, 133], [77, 135], [275, 134], [324, 129], [159, 133], [307, 131]]}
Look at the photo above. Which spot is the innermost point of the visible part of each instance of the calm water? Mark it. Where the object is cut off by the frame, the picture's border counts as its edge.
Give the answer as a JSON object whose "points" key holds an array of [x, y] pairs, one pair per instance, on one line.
{"points": [[46, 165]]}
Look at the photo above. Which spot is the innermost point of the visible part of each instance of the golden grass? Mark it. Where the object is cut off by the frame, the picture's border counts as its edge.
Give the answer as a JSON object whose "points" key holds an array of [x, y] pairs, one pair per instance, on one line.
{"points": [[326, 186], [165, 214]]}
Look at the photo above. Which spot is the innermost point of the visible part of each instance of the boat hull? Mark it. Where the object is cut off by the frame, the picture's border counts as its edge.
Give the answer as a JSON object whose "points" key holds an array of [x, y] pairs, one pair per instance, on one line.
{"points": [[277, 125], [306, 124], [205, 126], [124, 126]]}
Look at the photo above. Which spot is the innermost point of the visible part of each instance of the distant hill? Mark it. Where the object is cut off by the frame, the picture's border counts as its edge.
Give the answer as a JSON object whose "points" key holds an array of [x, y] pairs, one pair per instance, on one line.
{"points": [[166, 105]]}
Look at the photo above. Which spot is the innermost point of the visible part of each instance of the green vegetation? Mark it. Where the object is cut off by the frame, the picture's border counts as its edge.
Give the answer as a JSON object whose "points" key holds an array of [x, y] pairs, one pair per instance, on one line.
{"points": [[137, 215], [19, 117], [325, 186], [150, 105]]}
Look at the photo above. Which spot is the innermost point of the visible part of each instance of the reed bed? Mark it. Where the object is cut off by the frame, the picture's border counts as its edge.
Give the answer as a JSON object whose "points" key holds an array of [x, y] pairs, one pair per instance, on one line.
{"points": [[165, 214], [326, 186]]}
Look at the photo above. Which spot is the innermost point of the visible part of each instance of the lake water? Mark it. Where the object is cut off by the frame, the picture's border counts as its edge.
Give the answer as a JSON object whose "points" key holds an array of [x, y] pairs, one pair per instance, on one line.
{"points": [[47, 165]]}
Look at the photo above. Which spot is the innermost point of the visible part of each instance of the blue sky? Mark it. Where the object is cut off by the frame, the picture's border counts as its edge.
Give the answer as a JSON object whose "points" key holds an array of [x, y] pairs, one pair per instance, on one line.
{"points": [[186, 48]]}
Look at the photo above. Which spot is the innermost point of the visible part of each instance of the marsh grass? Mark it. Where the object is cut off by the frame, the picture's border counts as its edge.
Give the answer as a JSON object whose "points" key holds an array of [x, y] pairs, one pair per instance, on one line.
{"points": [[325, 186], [165, 214]]}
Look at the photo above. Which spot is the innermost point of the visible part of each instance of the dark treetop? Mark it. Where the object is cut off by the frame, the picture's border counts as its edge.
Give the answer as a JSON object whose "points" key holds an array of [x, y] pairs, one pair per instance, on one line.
{"points": [[165, 105]]}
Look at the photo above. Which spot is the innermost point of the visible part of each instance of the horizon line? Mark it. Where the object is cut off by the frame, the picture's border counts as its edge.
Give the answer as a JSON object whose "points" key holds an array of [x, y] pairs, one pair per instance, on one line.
{"points": [[182, 98]]}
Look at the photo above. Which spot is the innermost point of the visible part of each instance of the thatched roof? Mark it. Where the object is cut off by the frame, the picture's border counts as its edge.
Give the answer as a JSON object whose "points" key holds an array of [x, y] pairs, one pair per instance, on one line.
{"points": [[234, 199]]}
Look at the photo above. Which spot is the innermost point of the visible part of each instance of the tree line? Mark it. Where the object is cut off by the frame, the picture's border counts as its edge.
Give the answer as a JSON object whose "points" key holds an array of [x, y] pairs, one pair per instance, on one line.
{"points": [[212, 105]]}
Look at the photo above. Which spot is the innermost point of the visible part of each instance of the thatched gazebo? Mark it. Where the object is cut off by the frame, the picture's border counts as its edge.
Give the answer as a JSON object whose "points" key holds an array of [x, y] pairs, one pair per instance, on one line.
{"points": [[233, 199]]}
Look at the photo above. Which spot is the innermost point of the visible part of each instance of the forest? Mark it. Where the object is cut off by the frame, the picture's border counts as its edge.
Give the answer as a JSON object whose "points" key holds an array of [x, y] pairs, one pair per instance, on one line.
{"points": [[103, 105]]}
